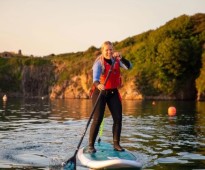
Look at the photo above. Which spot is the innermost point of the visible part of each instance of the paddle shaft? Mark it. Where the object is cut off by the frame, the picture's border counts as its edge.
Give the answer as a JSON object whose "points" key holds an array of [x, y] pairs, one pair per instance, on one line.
{"points": [[94, 107]]}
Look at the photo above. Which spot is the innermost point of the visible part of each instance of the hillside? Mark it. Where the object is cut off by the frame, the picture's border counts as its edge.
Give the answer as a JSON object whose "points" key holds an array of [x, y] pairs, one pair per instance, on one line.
{"points": [[168, 63]]}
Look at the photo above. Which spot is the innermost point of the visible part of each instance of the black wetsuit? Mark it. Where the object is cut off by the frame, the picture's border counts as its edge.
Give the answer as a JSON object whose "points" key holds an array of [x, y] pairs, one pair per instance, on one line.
{"points": [[112, 98]]}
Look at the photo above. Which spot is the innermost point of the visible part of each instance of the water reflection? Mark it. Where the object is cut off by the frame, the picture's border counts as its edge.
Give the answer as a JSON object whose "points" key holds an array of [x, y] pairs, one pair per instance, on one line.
{"points": [[35, 132], [70, 108]]}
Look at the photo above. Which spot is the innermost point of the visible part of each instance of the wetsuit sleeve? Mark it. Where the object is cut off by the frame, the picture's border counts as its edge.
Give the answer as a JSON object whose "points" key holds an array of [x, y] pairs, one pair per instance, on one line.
{"points": [[97, 70], [125, 63]]}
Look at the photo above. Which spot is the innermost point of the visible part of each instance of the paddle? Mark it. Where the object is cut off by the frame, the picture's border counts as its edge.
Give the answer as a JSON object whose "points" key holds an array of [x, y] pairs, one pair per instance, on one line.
{"points": [[72, 160]]}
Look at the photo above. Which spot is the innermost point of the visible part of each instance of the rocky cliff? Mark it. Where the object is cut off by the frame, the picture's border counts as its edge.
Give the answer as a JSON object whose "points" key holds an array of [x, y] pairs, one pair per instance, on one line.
{"points": [[79, 85], [36, 80]]}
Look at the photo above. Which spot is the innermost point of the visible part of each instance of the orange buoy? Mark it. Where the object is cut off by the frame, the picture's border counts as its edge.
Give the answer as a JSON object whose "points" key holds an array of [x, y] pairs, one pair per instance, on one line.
{"points": [[172, 111]]}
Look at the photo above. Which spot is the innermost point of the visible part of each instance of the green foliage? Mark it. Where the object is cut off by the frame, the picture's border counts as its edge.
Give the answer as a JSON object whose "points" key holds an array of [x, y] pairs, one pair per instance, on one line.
{"points": [[177, 59], [36, 61], [11, 71], [74, 64], [123, 44], [200, 81], [10, 74], [199, 23], [180, 27], [167, 57]]}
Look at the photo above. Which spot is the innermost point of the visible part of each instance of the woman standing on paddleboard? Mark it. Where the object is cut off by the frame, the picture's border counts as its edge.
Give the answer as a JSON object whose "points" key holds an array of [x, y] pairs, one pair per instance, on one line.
{"points": [[110, 94]]}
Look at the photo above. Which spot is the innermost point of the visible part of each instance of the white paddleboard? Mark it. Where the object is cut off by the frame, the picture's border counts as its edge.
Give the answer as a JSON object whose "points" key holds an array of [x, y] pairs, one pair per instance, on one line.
{"points": [[107, 157]]}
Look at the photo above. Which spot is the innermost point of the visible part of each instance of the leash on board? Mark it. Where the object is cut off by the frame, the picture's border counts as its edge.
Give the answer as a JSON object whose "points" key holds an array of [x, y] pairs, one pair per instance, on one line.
{"points": [[101, 130]]}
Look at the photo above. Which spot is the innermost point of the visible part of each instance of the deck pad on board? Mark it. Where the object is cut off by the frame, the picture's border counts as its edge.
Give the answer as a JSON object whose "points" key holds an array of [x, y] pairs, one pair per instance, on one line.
{"points": [[107, 157]]}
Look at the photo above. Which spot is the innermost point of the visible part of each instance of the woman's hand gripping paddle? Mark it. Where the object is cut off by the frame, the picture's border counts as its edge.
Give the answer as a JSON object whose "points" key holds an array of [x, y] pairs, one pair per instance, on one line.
{"points": [[71, 162]]}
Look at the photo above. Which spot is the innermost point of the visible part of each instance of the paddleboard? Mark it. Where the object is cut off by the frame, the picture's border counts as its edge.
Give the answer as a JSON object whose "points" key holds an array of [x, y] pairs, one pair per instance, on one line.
{"points": [[106, 157]]}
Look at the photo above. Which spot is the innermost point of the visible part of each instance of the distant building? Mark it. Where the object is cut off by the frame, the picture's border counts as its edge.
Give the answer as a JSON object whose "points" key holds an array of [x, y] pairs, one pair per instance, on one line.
{"points": [[7, 54]]}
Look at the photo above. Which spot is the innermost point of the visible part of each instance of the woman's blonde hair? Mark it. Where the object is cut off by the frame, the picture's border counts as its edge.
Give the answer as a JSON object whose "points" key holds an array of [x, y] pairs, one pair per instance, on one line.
{"points": [[106, 43]]}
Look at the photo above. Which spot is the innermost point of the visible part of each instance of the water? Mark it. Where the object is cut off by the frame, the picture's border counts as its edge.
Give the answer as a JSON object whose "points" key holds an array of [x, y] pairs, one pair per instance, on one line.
{"points": [[41, 134]]}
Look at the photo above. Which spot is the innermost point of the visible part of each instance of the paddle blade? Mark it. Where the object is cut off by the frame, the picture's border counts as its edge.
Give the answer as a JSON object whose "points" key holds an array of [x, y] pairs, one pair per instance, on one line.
{"points": [[70, 164]]}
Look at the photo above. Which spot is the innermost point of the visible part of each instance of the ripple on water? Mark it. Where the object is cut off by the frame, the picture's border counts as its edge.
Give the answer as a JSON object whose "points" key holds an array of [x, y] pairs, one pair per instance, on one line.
{"points": [[143, 135], [166, 152], [35, 158], [191, 156], [171, 160], [183, 158]]}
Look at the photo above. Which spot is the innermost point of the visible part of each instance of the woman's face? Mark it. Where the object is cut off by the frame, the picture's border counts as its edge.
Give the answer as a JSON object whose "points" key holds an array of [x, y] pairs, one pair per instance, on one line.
{"points": [[107, 51]]}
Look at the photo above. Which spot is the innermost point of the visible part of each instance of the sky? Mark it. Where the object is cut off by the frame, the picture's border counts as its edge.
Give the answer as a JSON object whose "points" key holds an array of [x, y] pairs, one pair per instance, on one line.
{"points": [[44, 27]]}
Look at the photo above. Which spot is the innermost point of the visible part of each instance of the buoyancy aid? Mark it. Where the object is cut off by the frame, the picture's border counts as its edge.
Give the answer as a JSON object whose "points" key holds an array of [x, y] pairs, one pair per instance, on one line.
{"points": [[114, 81]]}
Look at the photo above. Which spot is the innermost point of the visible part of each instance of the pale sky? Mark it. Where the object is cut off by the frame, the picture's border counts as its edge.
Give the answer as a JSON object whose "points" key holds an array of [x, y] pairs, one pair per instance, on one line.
{"points": [[43, 27]]}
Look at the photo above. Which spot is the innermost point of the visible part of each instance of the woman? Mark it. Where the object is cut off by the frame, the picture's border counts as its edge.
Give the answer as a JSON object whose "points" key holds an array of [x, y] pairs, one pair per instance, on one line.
{"points": [[110, 94]]}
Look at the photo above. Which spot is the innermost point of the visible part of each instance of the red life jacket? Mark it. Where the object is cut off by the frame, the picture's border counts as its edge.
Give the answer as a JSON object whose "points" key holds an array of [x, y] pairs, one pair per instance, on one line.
{"points": [[114, 81]]}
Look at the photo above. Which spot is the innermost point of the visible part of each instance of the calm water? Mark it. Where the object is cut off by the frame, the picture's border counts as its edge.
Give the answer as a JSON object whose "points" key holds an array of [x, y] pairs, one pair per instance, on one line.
{"points": [[39, 134]]}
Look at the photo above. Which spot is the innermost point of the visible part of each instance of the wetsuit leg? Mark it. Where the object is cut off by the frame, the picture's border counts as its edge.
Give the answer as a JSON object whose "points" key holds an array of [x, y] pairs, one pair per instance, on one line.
{"points": [[115, 107], [97, 117]]}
